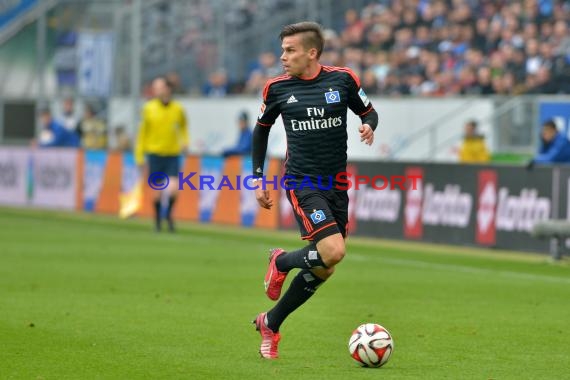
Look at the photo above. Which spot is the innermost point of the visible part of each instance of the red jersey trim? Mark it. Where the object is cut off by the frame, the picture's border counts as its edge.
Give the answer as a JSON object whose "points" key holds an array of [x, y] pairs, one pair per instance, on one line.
{"points": [[271, 81], [344, 70], [264, 125]]}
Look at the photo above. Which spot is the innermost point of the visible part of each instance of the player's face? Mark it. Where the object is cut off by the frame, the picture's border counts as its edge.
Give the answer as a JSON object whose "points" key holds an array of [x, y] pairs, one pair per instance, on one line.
{"points": [[160, 88], [295, 58], [548, 134]]}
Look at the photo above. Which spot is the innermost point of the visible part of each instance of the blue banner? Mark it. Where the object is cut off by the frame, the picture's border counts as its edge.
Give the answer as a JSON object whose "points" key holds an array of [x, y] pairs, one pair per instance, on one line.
{"points": [[209, 166], [11, 10], [95, 71], [130, 174], [248, 203], [94, 173]]}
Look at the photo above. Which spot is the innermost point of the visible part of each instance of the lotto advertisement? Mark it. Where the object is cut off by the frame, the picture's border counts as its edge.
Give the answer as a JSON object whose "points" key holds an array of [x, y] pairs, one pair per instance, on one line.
{"points": [[490, 206]]}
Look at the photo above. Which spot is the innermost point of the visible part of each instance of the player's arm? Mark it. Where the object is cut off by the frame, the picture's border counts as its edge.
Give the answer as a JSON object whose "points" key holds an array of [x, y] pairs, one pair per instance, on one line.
{"points": [[552, 154], [359, 103], [141, 138], [184, 136], [267, 116]]}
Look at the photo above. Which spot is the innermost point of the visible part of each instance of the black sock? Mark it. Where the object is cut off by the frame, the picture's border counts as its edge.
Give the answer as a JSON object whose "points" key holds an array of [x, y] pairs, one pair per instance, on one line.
{"points": [[157, 213], [301, 289], [171, 201], [304, 258]]}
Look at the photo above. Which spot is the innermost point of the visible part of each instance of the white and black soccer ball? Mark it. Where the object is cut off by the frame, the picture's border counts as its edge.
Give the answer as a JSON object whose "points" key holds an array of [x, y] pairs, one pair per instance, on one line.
{"points": [[371, 345]]}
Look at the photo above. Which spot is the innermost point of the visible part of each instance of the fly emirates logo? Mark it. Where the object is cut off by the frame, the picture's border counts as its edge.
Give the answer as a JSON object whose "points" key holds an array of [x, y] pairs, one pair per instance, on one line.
{"points": [[316, 120]]}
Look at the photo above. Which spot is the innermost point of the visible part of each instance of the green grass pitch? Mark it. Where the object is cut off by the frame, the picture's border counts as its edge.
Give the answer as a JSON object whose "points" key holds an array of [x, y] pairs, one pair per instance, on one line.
{"points": [[91, 297]]}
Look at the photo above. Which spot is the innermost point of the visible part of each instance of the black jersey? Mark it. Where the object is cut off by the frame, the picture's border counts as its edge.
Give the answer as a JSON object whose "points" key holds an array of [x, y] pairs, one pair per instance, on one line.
{"points": [[314, 113]]}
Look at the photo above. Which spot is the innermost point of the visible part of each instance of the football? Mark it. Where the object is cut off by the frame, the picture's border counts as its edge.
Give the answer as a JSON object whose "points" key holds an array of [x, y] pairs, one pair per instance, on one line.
{"points": [[371, 345]]}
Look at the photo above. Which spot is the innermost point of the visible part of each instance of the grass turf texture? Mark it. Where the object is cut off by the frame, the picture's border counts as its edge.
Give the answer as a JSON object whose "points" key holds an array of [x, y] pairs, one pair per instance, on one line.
{"points": [[87, 296]]}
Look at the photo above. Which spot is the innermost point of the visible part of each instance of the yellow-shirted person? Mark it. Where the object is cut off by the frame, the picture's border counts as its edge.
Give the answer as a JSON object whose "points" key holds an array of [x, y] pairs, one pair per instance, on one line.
{"points": [[162, 138], [473, 149]]}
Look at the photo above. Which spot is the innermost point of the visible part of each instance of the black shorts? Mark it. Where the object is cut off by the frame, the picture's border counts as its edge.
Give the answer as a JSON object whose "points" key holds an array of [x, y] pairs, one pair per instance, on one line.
{"points": [[169, 165], [320, 213]]}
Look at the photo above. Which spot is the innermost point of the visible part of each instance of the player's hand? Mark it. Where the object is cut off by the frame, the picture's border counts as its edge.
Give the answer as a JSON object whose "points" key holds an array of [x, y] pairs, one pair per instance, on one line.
{"points": [[366, 134], [263, 197]]}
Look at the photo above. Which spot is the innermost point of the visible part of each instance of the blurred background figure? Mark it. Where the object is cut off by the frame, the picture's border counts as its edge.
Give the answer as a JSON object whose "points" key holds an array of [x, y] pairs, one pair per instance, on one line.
{"points": [[554, 146], [243, 144], [162, 137], [92, 130], [53, 134], [217, 85], [266, 67], [174, 79], [69, 120], [473, 148], [122, 140]]}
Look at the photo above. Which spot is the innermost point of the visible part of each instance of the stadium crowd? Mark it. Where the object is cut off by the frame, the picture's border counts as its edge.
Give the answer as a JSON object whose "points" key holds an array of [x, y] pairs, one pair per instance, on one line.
{"points": [[444, 47]]}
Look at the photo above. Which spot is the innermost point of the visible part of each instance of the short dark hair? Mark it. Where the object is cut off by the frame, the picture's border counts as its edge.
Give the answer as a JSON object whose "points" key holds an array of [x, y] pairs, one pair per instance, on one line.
{"points": [[473, 123], [312, 34], [243, 115], [168, 83], [549, 124]]}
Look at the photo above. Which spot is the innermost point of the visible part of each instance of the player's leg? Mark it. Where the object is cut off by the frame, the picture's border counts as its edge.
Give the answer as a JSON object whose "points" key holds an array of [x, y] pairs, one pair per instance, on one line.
{"points": [[302, 287], [327, 213], [328, 252], [318, 223], [306, 282], [315, 222], [332, 248], [155, 166], [172, 169]]}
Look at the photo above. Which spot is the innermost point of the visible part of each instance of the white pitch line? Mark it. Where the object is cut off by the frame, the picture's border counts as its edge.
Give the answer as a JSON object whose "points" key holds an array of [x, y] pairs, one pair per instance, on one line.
{"points": [[460, 268]]}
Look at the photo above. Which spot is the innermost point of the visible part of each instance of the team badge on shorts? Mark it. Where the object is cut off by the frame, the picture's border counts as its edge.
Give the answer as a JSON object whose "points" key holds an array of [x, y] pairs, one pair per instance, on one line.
{"points": [[318, 216], [332, 97]]}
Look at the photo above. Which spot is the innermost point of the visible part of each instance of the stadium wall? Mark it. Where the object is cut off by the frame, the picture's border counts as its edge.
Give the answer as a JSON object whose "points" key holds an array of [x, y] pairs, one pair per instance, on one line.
{"points": [[475, 205], [98, 181], [401, 133]]}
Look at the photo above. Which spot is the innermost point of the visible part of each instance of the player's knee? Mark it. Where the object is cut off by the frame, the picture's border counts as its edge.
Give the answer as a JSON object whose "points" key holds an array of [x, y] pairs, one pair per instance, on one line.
{"points": [[332, 253], [336, 255], [323, 273]]}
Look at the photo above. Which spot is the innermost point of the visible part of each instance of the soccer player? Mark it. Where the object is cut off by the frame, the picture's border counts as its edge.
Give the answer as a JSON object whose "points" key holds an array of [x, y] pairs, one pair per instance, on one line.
{"points": [[163, 137], [312, 100]]}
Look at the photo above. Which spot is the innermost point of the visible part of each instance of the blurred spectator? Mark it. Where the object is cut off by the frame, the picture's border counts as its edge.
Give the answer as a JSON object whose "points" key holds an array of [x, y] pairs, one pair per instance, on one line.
{"points": [[243, 144], [554, 146], [92, 130], [122, 139], [542, 83], [353, 29], [174, 79], [69, 119], [418, 48], [217, 85], [53, 134], [473, 149], [265, 68]]}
